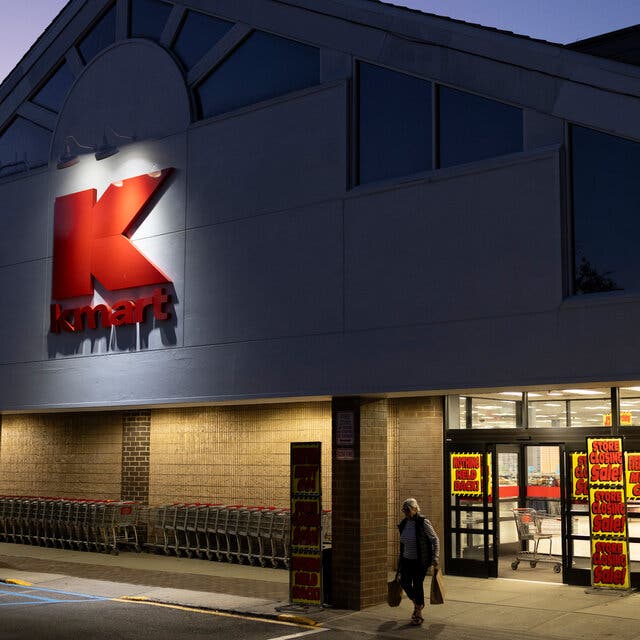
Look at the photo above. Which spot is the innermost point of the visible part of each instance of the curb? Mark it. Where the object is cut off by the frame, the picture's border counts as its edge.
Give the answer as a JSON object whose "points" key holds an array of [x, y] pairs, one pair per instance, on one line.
{"points": [[290, 617], [20, 583], [280, 617]]}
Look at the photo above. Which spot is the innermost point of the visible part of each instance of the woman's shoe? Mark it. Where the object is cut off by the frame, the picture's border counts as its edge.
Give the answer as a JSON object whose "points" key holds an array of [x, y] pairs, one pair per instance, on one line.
{"points": [[416, 618]]}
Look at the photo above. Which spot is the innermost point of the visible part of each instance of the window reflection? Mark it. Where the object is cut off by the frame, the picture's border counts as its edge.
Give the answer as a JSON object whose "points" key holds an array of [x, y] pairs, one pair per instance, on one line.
{"points": [[23, 145], [263, 67], [148, 18], [198, 33], [630, 406], [474, 128], [394, 119], [606, 198], [54, 91], [101, 36]]}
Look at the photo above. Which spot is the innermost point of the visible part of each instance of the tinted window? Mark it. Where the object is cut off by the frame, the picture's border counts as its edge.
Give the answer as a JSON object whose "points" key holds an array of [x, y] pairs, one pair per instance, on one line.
{"points": [[198, 34], [474, 128], [148, 18], [53, 93], [23, 143], [101, 36], [263, 67], [394, 135], [606, 201]]}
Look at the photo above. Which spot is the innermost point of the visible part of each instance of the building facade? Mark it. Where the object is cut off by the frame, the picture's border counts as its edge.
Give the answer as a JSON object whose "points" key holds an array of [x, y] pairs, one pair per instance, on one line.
{"points": [[226, 224]]}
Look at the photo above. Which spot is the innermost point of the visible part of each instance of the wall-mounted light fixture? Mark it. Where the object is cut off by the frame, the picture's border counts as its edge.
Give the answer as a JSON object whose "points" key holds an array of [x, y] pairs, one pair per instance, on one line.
{"points": [[106, 149], [69, 157]]}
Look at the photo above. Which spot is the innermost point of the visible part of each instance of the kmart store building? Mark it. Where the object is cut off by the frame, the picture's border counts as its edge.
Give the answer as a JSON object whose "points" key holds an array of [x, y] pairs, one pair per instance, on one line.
{"points": [[227, 227]]}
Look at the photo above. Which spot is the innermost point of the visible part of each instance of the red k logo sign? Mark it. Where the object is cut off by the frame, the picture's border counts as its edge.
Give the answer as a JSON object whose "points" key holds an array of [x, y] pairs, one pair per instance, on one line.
{"points": [[91, 241]]}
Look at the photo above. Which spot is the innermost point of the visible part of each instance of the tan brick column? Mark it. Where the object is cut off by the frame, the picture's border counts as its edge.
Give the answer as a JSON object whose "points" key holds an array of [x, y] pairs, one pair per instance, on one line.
{"points": [[136, 435], [359, 492]]}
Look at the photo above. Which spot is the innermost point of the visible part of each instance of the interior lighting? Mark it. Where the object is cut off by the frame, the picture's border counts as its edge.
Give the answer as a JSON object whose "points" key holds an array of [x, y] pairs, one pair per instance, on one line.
{"points": [[583, 392], [631, 388]]}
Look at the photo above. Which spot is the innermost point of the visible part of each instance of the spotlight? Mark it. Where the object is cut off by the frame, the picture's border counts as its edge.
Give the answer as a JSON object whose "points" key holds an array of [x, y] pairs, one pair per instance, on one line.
{"points": [[68, 157], [106, 150]]}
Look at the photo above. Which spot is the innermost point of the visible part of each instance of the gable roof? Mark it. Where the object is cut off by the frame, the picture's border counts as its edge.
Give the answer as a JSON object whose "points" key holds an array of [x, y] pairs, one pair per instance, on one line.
{"points": [[622, 45]]}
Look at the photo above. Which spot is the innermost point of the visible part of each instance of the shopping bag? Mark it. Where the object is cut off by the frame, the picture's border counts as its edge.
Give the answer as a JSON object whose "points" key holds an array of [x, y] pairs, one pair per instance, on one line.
{"points": [[394, 592], [437, 588]]}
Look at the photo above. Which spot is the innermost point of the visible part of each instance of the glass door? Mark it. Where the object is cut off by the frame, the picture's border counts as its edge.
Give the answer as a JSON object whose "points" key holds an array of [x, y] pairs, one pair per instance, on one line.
{"points": [[509, 489], [470, 541]]}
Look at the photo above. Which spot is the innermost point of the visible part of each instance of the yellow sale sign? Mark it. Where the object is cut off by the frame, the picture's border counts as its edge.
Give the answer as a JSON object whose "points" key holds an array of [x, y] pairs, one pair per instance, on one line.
{"points": [[466, 474]]}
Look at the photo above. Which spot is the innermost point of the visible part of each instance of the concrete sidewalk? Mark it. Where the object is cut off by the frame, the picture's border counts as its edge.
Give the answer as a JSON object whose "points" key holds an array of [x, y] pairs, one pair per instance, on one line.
{"points": [[475, 608]]}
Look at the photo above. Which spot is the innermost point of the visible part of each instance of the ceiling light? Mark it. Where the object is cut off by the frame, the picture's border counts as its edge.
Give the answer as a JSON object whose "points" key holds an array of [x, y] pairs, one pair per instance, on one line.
{"points": [[583, 392]]}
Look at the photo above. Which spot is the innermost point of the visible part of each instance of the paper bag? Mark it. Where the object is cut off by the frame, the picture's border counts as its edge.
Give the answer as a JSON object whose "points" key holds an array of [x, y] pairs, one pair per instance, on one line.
{"points": [[437, 588]]}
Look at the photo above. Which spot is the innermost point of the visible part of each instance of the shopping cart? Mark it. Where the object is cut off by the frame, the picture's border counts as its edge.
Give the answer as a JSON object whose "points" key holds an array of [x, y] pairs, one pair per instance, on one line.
{"points": [[529, 527]]}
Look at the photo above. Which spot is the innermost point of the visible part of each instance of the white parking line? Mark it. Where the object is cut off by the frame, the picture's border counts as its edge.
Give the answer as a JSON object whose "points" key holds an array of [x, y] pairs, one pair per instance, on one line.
{"points": [[299, 635]]}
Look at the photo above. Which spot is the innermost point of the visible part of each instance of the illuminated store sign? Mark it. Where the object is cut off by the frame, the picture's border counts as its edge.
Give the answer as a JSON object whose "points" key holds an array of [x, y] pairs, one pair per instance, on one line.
{"points": [[91, 240], [608, 513]]}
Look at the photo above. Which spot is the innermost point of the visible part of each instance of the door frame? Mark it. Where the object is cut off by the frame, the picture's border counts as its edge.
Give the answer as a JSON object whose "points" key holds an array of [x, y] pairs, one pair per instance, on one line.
{"points": [[487, 567], [490, 509]]}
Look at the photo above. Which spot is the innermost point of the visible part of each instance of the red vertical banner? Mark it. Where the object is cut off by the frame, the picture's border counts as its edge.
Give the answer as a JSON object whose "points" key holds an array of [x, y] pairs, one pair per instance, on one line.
{"points": [[305, 570], [608, 513], [579, 477]]}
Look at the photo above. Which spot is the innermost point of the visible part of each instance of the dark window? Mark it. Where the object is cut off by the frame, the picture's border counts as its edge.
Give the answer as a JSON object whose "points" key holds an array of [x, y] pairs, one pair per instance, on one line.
{"points": [[263, 67], [52, 94], [23, 145], [394, 133], [197, 35], [148, 18], [101, 36], [606, 201], [474, 128]]}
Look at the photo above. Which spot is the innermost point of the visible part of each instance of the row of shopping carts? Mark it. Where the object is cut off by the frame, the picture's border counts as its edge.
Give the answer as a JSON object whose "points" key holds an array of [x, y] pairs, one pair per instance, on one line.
{"points": [[229, 533], [89, 525]]}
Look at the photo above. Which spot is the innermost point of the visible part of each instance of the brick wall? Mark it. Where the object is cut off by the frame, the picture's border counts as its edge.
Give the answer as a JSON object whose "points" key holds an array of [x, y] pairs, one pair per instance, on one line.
{"points": [[70, 455], [373, 502], [136, 437], [233, 454], [360, 508], [415, 469]]}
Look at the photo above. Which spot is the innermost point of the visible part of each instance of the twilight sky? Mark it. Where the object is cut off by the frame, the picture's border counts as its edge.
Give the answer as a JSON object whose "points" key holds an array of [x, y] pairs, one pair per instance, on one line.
{"points": [[22, 21]]}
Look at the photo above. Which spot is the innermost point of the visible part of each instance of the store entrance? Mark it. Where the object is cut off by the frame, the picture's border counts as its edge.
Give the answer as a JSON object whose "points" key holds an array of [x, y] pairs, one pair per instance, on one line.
{"points": [[505, 511], [529, 512]]}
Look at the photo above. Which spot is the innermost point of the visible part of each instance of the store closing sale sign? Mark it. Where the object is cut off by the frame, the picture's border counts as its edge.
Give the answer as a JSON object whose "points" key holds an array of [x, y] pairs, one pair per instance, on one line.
{"points": [[632, 474], [579, 477], [608, 513], [305, 574]]}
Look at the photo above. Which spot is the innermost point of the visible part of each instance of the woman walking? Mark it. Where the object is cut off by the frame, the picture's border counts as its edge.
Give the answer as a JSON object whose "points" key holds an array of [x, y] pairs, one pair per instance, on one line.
{"points": [[419, 549]]}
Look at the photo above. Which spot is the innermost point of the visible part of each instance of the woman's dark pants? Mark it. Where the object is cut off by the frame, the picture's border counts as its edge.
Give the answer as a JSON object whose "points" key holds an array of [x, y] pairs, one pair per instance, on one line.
{"points": [[412, 578]]}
